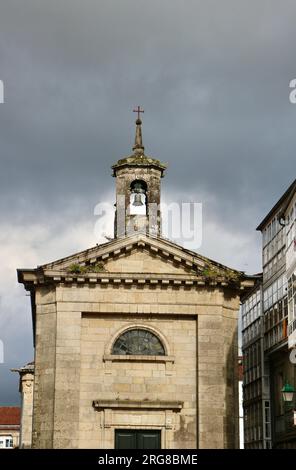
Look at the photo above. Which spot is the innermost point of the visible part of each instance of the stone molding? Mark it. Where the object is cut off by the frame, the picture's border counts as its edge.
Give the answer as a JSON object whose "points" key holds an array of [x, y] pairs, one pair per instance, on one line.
{"points": [[137, 358], [197, 269], [138, 404]]}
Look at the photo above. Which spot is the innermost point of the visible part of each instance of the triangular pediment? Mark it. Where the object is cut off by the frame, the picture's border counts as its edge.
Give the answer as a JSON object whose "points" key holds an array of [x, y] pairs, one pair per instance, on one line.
{"points": [[137, 259], [140, 254], [143, 260]]}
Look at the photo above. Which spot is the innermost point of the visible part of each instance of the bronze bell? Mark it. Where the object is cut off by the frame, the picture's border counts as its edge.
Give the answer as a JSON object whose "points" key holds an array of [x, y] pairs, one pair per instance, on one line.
{"points": [[138, 200]]}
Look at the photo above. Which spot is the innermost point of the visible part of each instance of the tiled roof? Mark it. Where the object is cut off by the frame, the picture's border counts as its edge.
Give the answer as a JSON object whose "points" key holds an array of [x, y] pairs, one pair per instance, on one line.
{"points": [[10, 415]]}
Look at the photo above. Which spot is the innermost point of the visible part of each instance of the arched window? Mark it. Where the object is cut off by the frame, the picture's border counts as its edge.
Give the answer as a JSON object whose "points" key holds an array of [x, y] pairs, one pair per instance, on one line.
{"points": [[137, 342]]}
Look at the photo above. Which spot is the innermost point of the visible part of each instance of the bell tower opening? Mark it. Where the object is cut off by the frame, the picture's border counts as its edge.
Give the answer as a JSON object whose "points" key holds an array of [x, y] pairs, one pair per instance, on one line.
{"points": [[138, 179], [138, 198]]}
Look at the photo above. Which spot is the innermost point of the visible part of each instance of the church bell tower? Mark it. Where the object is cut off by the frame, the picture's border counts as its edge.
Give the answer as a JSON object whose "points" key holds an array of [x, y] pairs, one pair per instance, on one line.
{"points": [[138, 190]]}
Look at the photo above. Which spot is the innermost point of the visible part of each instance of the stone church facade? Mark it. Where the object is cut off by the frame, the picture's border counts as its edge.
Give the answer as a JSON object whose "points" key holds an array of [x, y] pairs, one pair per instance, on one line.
{"points": [[135, 339]]}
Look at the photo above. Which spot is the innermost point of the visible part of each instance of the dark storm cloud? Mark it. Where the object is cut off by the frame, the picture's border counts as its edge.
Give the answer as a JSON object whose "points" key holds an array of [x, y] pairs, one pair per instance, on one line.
{"points": [[213, 78]]}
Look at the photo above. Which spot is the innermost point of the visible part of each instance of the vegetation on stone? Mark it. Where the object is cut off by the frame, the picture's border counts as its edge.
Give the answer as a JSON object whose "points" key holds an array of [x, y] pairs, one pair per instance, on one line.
{"points": [[76, 268]]}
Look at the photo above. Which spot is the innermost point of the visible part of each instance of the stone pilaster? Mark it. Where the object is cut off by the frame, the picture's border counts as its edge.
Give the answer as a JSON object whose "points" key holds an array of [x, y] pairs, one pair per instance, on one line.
{"points": [[44, 383]]}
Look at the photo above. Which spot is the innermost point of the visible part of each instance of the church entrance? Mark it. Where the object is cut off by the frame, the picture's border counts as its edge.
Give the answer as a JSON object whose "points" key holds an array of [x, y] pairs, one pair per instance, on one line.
{"points": [[137, 439]]}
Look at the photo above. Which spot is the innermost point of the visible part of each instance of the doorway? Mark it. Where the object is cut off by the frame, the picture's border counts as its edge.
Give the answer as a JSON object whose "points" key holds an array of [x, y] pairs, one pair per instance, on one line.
{"points": [[137, 439]]}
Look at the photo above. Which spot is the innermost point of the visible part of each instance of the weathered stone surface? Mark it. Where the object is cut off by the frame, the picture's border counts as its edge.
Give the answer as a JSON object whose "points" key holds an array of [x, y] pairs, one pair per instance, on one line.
{"points": [[75, 330], [82, 303]]}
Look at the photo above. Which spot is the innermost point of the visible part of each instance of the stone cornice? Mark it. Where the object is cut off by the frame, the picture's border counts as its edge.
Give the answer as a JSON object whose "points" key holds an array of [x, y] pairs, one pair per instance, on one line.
{"points": [[137, 358], [89, 267], [31, 279], [7, 427], [136, 404], [139, 161]]}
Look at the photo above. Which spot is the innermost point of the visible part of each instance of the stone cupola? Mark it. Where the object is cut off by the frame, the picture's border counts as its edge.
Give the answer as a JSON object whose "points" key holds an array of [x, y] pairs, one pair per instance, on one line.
{"points": [[138, 191]]}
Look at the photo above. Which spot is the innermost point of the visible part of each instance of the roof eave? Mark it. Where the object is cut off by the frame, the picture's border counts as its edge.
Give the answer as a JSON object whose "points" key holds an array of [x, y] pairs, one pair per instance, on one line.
{"points": [[279, 206]]}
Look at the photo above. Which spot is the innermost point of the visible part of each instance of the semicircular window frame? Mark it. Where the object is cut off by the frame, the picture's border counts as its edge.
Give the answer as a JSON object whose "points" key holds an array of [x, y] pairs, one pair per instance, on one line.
{"points": [[138, 342]]}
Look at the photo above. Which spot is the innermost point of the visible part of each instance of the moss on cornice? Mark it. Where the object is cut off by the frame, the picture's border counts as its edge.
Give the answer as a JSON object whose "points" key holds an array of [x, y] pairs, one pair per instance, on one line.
{"points": [[213, 273], [139, 160], [76, 268]]}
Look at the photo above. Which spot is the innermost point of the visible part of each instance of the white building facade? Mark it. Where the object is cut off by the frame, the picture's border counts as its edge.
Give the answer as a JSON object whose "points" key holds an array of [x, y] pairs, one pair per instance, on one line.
{"points": [[290, 220]]}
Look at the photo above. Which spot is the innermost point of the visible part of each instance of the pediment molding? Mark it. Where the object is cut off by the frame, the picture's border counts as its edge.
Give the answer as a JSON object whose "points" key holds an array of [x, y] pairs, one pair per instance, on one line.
{"points": [[89, 266], [123, 246]]}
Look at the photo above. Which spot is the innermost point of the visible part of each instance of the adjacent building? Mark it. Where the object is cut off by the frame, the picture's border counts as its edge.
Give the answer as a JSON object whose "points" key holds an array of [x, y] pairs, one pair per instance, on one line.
{"points": [[240, 401], [9, 427], [290, 221], [268, 315], [256, 403]]}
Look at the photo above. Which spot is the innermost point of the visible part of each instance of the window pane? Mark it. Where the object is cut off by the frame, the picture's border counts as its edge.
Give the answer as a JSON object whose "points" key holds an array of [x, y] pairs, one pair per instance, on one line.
{"points": [[138, 342]]}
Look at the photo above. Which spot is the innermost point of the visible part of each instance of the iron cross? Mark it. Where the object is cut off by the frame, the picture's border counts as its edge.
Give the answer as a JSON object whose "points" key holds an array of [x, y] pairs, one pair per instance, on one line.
{"points": [[138, 110]]}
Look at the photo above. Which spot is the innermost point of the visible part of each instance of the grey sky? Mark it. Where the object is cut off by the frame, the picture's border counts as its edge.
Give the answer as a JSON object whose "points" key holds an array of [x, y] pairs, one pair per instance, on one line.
{"points": [[213, 78]]}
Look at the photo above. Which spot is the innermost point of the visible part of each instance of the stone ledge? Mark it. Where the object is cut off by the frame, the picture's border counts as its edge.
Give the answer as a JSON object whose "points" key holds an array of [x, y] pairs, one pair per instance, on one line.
{"points": [[139, 358], [136, 404]]}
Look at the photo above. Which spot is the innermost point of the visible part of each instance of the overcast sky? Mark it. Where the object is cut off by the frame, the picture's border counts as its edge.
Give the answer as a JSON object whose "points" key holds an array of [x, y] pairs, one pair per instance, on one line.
{"points": [[213, 78]]}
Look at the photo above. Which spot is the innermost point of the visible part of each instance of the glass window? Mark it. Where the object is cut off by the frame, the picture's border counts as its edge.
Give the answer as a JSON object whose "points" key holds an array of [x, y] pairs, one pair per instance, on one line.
{"points": [[138, 342], [8, 442]]}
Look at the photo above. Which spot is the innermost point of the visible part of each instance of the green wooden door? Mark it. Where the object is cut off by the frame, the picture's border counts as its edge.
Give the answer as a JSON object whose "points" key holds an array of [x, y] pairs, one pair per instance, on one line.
{"points": [[137, 439]]}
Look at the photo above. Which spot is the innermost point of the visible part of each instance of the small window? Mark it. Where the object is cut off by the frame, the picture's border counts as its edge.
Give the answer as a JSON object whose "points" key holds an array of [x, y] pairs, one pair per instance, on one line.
{"points": [[9, 443], [138, 342], [6, 442]]}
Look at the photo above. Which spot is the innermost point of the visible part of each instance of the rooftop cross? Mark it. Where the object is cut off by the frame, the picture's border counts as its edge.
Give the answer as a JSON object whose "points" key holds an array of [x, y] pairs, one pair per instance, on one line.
{"points": [[138, 110], [138, 147]]}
